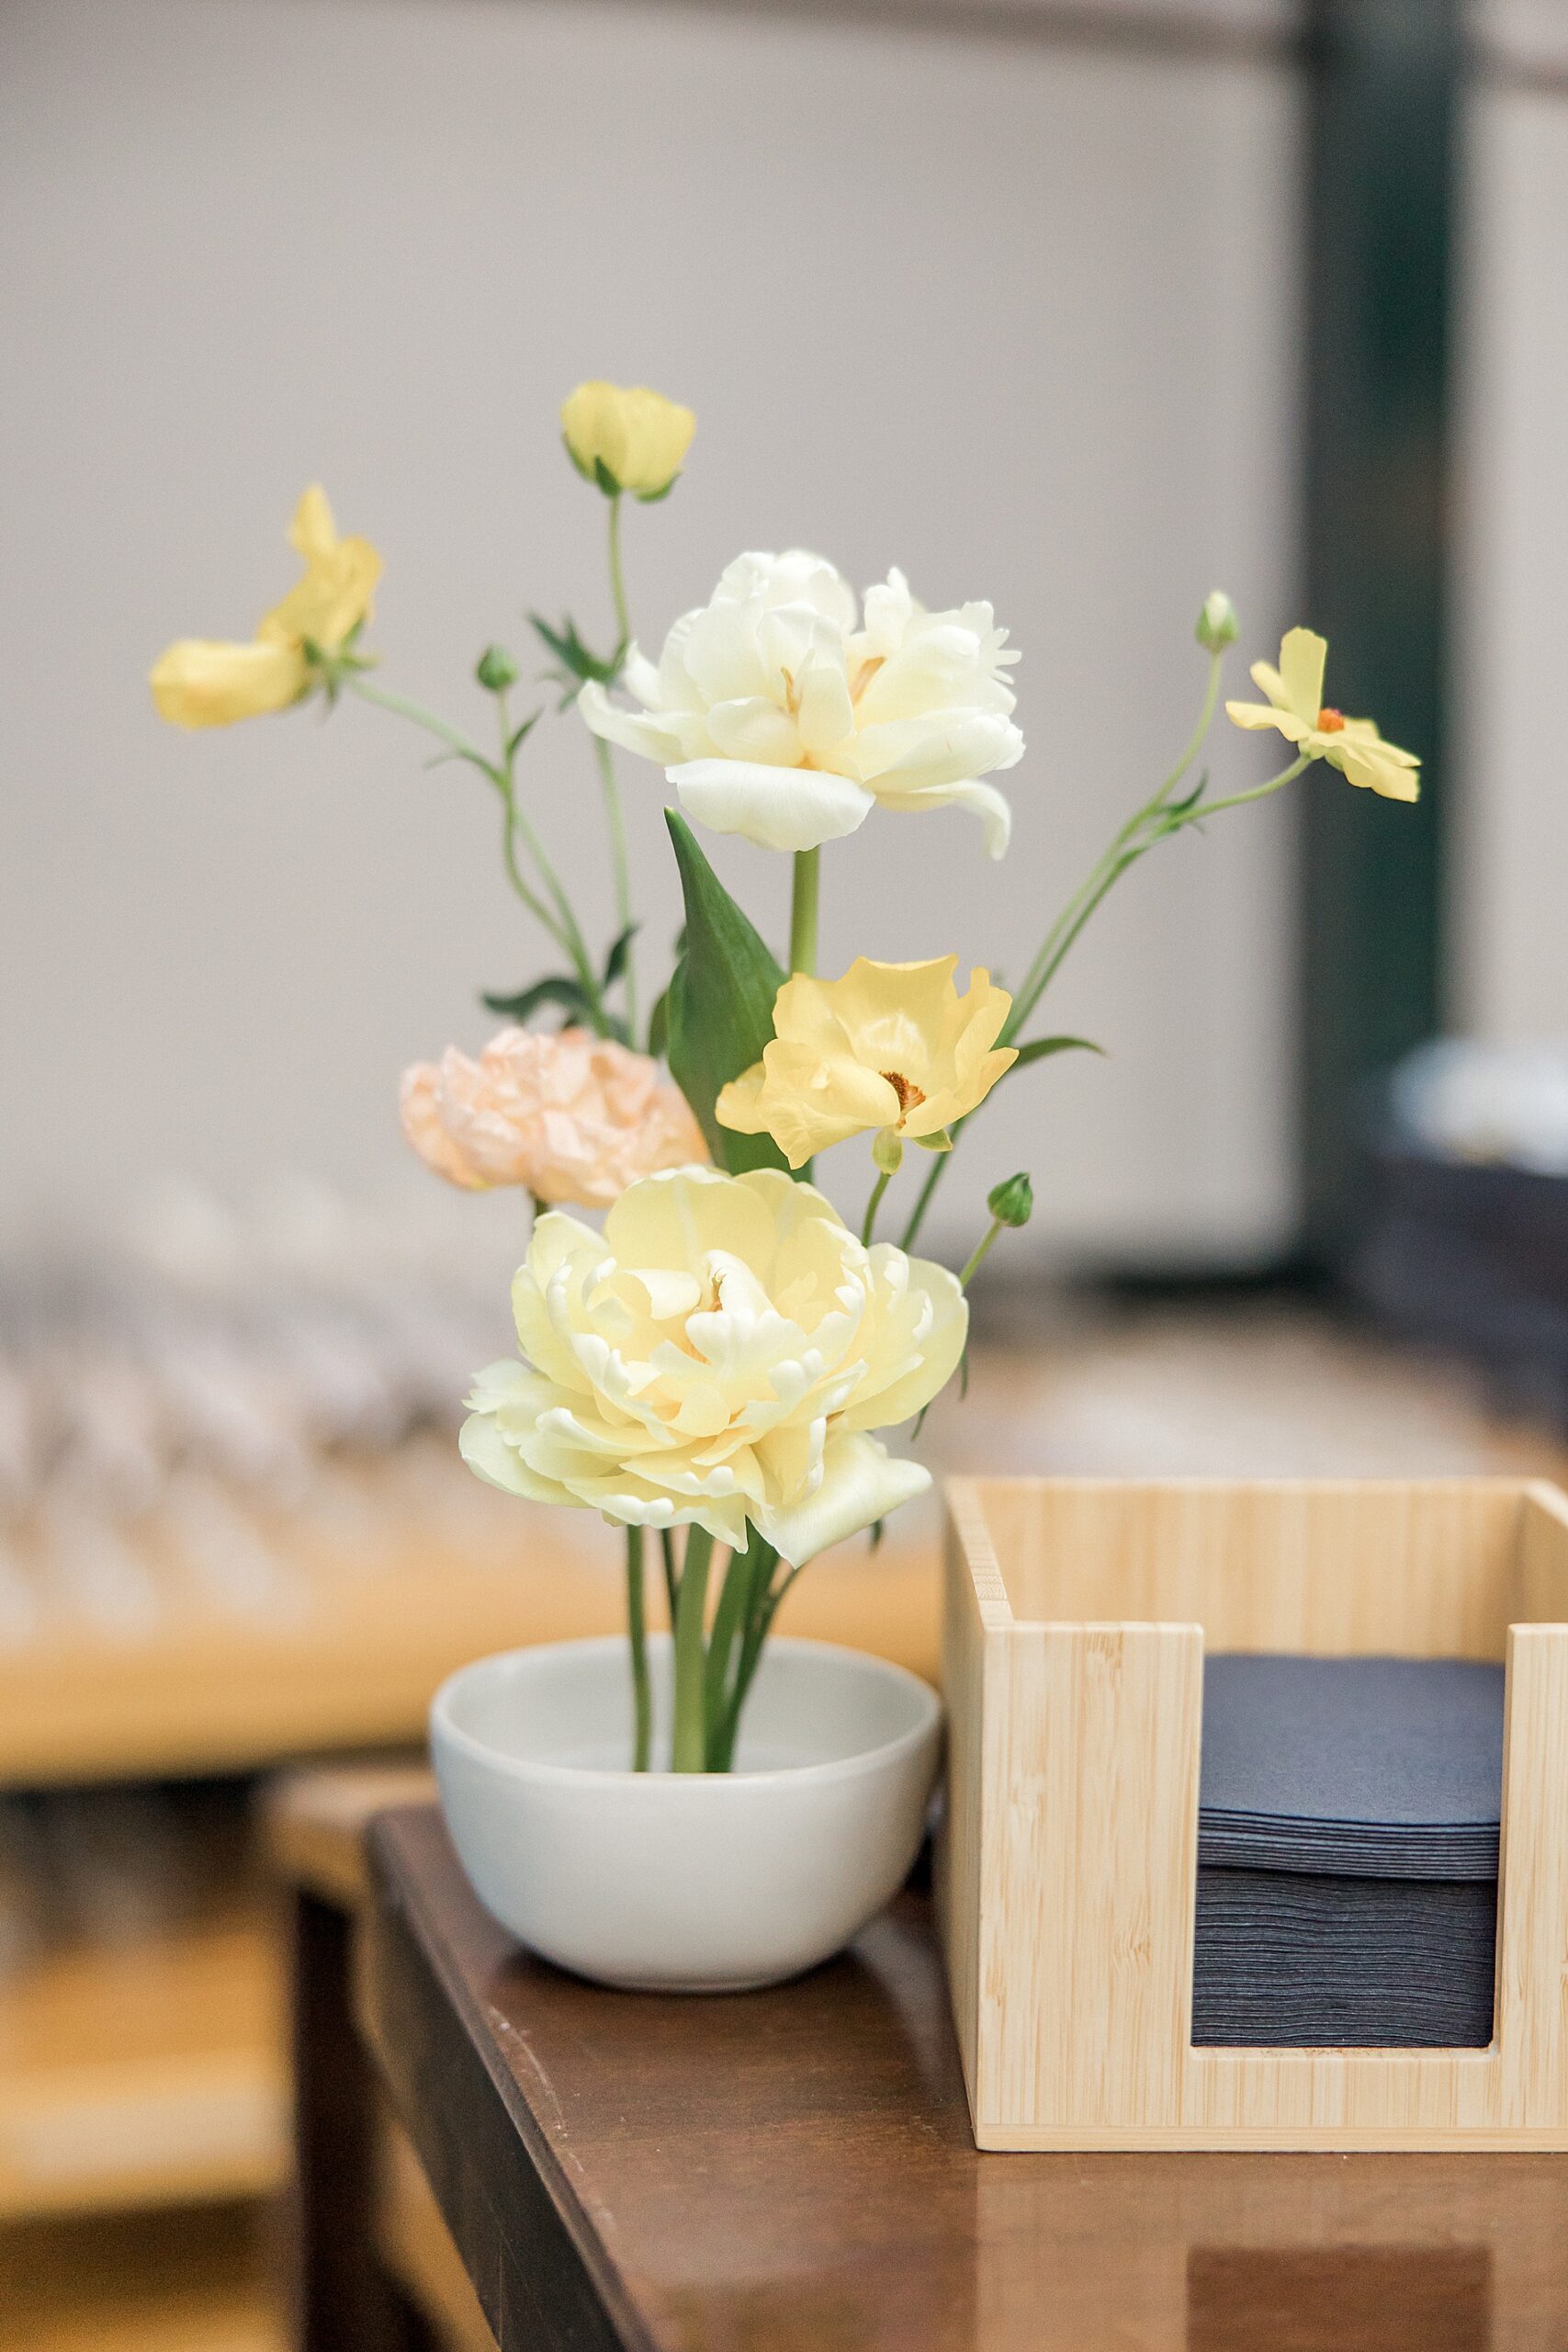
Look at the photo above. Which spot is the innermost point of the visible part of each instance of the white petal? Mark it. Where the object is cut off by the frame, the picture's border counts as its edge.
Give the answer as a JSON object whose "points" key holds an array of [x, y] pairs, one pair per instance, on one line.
{"points": [[993, 810], [655, 739], [860, 1483], [787, 809]]}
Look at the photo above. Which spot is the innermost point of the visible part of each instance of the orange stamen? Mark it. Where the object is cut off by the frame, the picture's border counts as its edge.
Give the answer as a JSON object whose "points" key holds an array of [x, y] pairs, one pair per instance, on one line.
{"points": [[1329, 722], [909, 1095]]}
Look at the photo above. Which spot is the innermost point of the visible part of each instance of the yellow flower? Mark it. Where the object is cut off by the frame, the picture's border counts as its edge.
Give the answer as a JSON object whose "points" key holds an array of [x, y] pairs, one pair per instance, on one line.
{"points": [[1295, 707], [890, 1047], [632, 438], [200, 682], [719, 1357]]}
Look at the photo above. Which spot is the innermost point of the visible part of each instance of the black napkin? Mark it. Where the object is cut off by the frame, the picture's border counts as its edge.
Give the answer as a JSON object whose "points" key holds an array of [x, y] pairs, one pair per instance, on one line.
{"points": [[1349, 1820]]}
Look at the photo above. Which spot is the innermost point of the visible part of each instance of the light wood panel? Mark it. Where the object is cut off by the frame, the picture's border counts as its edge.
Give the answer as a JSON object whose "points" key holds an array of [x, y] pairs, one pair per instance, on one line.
{"points": [[1070, 1870], [145, 2075]]}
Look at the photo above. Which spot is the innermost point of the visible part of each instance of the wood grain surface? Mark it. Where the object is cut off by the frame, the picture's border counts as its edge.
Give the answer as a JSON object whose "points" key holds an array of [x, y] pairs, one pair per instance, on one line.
{"points": [[793, 2171]]}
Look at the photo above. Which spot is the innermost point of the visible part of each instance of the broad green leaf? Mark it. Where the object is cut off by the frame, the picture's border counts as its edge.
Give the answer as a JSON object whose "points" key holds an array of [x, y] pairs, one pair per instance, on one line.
{"points": [[721, 1002], [1037, 1047]]}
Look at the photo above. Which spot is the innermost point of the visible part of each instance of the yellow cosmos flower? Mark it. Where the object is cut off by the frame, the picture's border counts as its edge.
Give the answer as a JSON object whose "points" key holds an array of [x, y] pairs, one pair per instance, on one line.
{"points": [[1296, 707], [200, 682], [633, 438], [890, 1047]]}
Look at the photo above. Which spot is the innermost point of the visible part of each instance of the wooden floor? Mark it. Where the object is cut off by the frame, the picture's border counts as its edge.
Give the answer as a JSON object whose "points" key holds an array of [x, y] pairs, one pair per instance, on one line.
{"points": [[120, 2058]]}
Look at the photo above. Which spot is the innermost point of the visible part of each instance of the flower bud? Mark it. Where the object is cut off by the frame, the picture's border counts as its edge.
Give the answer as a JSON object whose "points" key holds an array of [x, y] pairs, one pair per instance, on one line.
{"points": [[625, 438], [496, 669], [1013, 1203], [1217, 622]]}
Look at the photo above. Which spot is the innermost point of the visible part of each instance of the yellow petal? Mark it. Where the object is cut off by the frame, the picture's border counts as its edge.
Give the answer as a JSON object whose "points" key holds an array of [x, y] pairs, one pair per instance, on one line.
{"points": [[1302, 654], [313, 533], [1381, 767], [1263, 714], [198, 682]]}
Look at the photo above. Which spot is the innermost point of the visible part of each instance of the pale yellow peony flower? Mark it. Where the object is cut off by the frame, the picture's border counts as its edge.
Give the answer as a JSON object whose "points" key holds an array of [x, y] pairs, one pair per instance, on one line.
{"points": [[572, 1116], [718, 1355], [890, 1047], [1295, 708], [638, 437], [201, 682]]}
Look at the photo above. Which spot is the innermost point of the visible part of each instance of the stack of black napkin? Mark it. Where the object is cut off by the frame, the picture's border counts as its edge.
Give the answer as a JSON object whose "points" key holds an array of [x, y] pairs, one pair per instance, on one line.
{"points": [[1348, 1835]]}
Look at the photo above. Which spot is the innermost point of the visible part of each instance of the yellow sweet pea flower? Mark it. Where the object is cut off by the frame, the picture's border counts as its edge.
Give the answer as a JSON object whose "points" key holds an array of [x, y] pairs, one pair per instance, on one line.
{"points": [[202, 682], [890, 1047], [1295, 707], [632, 437]]}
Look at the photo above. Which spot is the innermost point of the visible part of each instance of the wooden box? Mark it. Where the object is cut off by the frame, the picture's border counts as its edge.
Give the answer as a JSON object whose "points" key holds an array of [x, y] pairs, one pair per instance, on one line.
{"points": [[1078, 1611]]}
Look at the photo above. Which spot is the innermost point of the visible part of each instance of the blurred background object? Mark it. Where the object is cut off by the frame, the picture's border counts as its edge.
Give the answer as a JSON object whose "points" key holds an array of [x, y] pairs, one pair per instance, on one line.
{"points": [[1089, 308]]}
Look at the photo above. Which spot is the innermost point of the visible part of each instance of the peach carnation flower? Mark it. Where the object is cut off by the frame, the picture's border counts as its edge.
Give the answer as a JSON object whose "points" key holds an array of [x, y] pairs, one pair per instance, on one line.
{"points": [[572, 1116]]}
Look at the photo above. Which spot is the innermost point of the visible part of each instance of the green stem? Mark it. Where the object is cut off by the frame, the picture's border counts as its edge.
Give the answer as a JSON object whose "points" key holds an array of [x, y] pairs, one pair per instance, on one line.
{"points": [[803, 910], [761, 1605], [868, 1223], [614, 818], [926, 1194], [563, 925], [355, 682], [618, 579], [978, 1252], [1123, 852], [688, 1748], [672, 1582], [636, 1625], [614, 815], [728, 1619]]}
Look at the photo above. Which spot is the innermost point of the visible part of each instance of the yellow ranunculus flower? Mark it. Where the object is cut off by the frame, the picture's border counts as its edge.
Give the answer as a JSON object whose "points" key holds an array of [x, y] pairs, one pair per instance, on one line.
{"points": [[201, 682], [1295, 707], [889, 1046], [637, 436]]}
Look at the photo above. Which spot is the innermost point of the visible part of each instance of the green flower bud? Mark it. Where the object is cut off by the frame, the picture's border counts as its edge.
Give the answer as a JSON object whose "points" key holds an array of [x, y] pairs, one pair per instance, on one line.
{"points": [[1217, 622], [496, 669], [1013, 1202]]}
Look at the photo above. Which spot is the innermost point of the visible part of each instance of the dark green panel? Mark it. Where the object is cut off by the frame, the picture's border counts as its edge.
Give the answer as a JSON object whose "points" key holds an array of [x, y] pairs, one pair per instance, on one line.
{"points": [[1384, 82]]}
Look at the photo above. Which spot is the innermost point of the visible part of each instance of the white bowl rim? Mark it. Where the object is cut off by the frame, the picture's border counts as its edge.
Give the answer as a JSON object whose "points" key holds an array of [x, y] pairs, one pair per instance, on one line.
{"points": [[837, 1768]]}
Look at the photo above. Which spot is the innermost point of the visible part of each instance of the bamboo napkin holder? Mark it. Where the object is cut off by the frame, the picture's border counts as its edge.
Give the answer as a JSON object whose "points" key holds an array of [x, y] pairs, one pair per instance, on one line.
{"points": [[1076, 1615]]}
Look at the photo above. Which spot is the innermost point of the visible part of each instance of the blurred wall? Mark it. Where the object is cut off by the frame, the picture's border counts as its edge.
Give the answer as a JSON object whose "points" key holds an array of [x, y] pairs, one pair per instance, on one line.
{"points": [[1019, 318], [1511, 865]]}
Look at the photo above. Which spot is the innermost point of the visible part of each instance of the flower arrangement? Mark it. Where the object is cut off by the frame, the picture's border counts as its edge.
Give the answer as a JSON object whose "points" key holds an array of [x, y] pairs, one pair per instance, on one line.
{"points": [[714, 1364]]}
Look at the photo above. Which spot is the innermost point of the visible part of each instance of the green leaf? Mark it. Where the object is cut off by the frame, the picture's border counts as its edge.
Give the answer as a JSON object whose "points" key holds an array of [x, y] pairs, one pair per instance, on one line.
{"points": [[576, 660], [721, 1002], [615, 961], [562, 989], [1037, 1047], [659, 1027], [520, 734]]}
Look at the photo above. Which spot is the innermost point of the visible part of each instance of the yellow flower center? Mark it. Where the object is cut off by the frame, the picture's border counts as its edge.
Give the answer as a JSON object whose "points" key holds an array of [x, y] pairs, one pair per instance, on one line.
{"points": [[910, 1096], [1329, 721]]}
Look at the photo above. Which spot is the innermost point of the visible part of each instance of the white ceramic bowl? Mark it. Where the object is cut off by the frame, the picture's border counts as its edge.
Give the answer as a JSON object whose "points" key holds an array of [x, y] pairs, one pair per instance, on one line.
{"points": [[695, 1883]]}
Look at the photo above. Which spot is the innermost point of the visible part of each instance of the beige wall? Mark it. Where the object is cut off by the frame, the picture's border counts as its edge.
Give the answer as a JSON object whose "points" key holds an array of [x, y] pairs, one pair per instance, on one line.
{"points": [[1019, 319], [1511, 871]]}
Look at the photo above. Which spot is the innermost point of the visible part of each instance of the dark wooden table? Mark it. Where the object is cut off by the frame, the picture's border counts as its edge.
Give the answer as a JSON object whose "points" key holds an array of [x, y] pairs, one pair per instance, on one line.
{"points": [[791, 2171]]}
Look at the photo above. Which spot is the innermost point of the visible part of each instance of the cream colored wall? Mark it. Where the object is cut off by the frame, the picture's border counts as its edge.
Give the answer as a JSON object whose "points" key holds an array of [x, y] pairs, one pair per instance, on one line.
{"points": [[1511, 870], [1018, 318]]}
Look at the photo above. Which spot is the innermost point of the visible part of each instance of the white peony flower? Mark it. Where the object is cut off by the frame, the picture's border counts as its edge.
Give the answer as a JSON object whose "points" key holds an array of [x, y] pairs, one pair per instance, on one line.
{"points": [[774, 716], [717, 1355]]}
